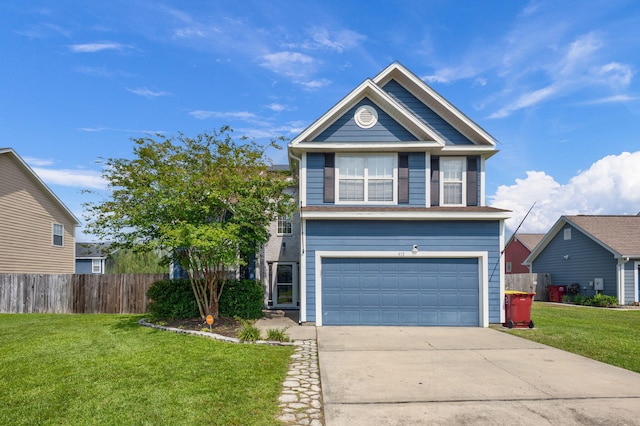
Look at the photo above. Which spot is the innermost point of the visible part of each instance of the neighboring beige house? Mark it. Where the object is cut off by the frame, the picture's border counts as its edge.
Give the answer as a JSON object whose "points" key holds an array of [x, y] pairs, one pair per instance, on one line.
{"points": [[37, 231], [278, 263]]}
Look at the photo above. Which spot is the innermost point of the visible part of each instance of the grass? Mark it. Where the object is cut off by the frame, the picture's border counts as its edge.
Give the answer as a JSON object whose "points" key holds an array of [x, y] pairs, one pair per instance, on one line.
{"points": [[608, 335], [107, 370]]}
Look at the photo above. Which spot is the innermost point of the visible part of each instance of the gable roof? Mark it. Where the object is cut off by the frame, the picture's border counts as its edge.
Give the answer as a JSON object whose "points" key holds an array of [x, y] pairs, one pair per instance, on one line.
{"points": [[427, 137], [620, 234], [530, 241], [27, 170]]}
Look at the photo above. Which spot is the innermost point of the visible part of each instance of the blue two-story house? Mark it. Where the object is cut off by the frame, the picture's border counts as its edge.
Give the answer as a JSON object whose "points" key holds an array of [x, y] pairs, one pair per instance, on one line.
{"points": [[394, 229]]}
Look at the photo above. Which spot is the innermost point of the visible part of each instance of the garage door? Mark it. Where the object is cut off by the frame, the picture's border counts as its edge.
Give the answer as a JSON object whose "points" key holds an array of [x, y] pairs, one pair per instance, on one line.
{"points": [[413, 291]]}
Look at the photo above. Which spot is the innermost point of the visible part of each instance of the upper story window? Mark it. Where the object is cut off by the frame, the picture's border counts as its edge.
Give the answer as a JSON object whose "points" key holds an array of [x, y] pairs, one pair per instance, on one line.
{"points": [[96, 266], [453, 182], [58, 235], [567, 234], [284, 225], [366, 178]]}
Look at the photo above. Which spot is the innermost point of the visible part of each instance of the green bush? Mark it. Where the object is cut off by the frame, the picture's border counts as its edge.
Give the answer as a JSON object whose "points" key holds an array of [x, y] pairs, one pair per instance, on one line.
{"points": [[172, 299], [602, 301], [242, 298]]}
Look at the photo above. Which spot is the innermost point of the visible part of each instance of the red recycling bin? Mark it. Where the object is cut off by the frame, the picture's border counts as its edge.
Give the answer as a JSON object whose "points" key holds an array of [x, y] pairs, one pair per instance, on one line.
{"points": [[556, 292], [517, 309]]}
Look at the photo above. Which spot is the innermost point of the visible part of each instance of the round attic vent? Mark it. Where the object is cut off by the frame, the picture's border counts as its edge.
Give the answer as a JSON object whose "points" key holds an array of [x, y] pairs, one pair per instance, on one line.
{"points": [[366, 116]]}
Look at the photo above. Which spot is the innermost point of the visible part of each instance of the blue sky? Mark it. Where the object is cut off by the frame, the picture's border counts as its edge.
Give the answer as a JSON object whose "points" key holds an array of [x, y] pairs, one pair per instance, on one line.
{"points": [[556, 83]]}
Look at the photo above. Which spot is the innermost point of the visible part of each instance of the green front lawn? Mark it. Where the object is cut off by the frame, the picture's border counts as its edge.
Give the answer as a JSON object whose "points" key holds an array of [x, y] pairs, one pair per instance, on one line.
{"points": [[607, 335], [108, 370]]}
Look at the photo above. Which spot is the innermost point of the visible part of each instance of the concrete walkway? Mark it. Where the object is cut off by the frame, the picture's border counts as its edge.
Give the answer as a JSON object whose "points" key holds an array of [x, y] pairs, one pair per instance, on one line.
{"points": [[458, 376]]}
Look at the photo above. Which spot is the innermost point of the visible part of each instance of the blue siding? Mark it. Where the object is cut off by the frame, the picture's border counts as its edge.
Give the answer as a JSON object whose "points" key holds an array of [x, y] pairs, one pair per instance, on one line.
{"points": [[315, 176], [426, 114], [345, 128], [417, 179], [401, 236], [83, 266], [587, 260]]}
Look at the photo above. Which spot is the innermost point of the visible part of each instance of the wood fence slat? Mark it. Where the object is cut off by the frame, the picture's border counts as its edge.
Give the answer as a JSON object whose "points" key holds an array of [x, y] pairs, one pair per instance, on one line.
{"points": [[76, 293]]}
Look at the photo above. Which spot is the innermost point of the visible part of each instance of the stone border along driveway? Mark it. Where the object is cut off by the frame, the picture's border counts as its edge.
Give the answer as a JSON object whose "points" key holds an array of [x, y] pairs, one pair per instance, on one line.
{"points": [[301, 398]]}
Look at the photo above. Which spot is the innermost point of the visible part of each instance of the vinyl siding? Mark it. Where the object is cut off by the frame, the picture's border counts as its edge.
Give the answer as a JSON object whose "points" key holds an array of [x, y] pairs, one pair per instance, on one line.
{"points": [[345, 128], [27, 215], [587, 260], [417, 179], [426, 114], [315, 181], [401, 236]]}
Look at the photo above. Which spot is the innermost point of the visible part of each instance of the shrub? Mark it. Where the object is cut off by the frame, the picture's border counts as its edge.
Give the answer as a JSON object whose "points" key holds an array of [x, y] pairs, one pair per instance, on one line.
{"points": [[249, 332], [578, 299], [278, 334], [242, 298], [172, 299], [603, 301]]}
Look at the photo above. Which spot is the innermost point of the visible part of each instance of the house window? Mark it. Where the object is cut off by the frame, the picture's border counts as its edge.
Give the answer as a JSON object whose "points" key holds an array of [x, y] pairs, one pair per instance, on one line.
{"points": [[96, 266], [508, 266], [366, 179], [452, 181], [567, 234], [284, 225], [58, 234]]}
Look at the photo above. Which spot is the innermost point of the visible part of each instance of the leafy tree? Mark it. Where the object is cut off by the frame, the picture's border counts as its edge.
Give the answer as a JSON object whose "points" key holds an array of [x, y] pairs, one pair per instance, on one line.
{"points": [[206, 201], [131, 262]]}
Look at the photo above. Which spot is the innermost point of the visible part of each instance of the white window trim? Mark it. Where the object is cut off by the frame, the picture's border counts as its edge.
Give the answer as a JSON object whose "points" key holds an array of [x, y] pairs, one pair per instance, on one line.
{"points": [[94, 263], [288, 219], [483, 273], [53, 234], [394, 157], [464, 181]]}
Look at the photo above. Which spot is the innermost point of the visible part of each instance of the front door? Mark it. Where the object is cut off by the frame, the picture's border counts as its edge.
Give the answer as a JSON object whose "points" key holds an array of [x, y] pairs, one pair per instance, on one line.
{"points": [[286, 286]]}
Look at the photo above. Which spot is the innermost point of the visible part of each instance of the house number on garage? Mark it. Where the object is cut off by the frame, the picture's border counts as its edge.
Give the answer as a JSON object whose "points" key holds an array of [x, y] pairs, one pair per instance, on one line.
{"points": [[400, 253]]}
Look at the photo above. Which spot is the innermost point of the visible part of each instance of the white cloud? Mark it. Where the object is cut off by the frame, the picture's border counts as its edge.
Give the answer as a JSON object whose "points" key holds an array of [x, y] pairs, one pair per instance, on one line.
{"points": [[613, 99], [33, 161], [147, 93], [610, 186], [292, 64], [238, 115], [314, 84], [69, 177], [96, 47], [338, 41], [278, 107]]}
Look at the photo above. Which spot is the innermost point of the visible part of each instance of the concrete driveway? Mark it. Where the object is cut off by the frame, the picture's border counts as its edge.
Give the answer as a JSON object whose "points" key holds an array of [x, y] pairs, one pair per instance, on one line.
{"points": [[458, 376]]}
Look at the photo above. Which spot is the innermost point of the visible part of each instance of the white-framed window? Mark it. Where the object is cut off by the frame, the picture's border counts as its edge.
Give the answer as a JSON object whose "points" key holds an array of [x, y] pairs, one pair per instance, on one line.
{"points": [[366, 179], [58, 235], [508, 266], [284, 225], [96, 266], [567, 234], [453, 191]]}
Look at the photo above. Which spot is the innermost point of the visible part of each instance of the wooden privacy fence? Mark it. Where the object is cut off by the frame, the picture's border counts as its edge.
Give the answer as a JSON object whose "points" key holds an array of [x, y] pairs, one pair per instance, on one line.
{"points": [[530, 283], [76, 293]]}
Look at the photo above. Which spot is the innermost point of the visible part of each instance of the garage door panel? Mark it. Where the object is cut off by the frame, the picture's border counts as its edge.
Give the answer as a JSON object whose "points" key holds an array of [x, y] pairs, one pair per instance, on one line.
{"points": [[415, 291]]}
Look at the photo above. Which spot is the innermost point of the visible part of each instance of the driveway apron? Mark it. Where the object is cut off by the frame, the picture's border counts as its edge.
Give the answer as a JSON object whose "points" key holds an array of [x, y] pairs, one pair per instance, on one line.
{"points": [[458, 376]]}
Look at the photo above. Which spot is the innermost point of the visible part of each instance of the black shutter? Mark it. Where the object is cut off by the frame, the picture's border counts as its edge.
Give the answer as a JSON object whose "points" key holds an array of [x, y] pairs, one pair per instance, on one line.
{"points": [[329, 178], [472, 181], [403, 178], [435, 181]]}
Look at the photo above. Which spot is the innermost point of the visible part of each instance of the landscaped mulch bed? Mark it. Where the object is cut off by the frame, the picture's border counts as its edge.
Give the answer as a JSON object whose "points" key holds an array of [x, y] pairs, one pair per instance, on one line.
{"points": [[224, 326]]}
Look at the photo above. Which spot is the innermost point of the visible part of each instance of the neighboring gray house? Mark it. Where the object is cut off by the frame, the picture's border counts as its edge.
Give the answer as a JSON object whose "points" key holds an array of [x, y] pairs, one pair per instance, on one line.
{"points": [[394, 229], [91, 258], [601, 253], [278, 263]]}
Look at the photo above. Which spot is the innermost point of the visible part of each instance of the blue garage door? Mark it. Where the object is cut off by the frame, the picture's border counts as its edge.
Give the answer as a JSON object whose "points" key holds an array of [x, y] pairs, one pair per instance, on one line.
{"points": [[408, 291]]}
